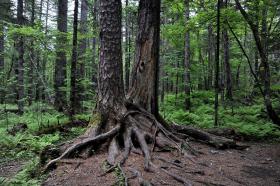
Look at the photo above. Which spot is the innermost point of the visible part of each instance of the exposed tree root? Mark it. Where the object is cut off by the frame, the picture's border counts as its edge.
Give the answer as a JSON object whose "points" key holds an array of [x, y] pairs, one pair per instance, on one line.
{"points": [[136, 130]]}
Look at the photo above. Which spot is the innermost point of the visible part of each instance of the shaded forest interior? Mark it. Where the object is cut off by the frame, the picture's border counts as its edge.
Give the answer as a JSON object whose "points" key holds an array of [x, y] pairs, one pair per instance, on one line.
{"points": [[86, 77]]}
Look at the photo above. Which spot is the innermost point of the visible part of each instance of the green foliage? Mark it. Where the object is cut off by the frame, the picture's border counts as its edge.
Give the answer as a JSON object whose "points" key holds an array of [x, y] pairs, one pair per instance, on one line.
{"points": [[249, 121]]}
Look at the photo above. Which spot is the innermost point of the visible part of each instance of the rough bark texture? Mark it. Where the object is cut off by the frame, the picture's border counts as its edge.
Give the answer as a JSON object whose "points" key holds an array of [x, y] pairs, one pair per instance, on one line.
{"points": [[110, 82], [144, 76], [127, 49], [61, 60], [187, 76], [19, 67], [74, 100]]}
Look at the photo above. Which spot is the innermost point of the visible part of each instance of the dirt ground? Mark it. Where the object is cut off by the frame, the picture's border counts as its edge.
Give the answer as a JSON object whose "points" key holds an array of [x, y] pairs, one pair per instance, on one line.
{"points": [[257, 165]]}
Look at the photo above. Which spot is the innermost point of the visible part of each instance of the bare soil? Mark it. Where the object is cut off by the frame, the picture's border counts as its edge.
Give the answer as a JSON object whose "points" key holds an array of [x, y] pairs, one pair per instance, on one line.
{"points": [[257, 165]]}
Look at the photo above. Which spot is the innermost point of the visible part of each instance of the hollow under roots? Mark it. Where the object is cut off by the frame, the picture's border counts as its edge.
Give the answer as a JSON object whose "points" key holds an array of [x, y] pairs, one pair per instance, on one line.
{"points": [[138, 129]]}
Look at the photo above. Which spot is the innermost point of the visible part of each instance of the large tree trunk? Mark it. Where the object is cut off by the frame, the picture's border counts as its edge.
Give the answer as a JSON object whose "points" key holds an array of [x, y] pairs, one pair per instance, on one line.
{"points": [[19, 67], [187, 69], [144, 76], [61, 60], [110, 82], [74, 100]]}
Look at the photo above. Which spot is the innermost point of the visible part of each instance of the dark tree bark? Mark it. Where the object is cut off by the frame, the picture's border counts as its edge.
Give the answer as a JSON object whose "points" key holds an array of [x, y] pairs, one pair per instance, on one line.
{"points": [[227, 68], [74, 100], [144, 76], [127, 48], [19, 67], [61, 60], [2, 62], [187, 65], [217, 69], [260, 40], [94, 44]]}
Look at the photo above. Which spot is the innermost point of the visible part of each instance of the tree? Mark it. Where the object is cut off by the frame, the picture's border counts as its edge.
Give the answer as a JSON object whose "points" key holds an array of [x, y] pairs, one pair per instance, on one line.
{"points": [[260, 40], [122, 120], [144, 75], [217, 70], [61, 60], [227, 68], [187, 61], [74, 100], [82, 56], [19, 67]]}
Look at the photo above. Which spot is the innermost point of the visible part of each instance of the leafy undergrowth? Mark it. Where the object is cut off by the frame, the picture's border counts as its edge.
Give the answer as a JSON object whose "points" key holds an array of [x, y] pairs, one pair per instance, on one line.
{"points": [[249, 120], [26, 146]]}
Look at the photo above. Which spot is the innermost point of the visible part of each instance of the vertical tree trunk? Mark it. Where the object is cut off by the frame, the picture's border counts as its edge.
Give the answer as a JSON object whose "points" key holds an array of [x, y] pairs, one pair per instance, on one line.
{"points": [[127, 49], [94, 43], [2, 62], [187, 61], [31, 60], [228, 74], [81, 56], [19, 67], [144, 77], [217, 70], [74, 102], [210, 57], [61, 60], [110, 85]]}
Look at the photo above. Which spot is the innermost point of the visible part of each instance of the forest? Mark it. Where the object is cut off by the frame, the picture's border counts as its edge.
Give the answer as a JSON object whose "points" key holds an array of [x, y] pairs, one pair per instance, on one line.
{"points": [[140, 92]]}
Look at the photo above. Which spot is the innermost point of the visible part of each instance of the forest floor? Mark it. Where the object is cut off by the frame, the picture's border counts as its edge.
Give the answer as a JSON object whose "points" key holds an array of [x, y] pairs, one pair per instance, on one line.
{"points": [[259, 164]]}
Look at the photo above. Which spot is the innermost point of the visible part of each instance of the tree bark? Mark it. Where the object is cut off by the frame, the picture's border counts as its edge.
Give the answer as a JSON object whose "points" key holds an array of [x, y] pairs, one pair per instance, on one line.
{"points": [[19, 67], [110, 82], [144, 77], [187, 71], [61, 60], [127, 48], [217, 69], [74, 100], [2, 61]]}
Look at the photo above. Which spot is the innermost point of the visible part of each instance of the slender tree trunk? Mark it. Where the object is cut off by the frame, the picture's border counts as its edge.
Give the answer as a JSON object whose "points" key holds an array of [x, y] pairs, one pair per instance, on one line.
{"points": [[19, 69], [187, 65], [74, 102], [61, 60], [217, 70], [94, 43], [228, 74], [81, 57], [2, 61], [144, 76], [31, 61], [210, 57]]}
